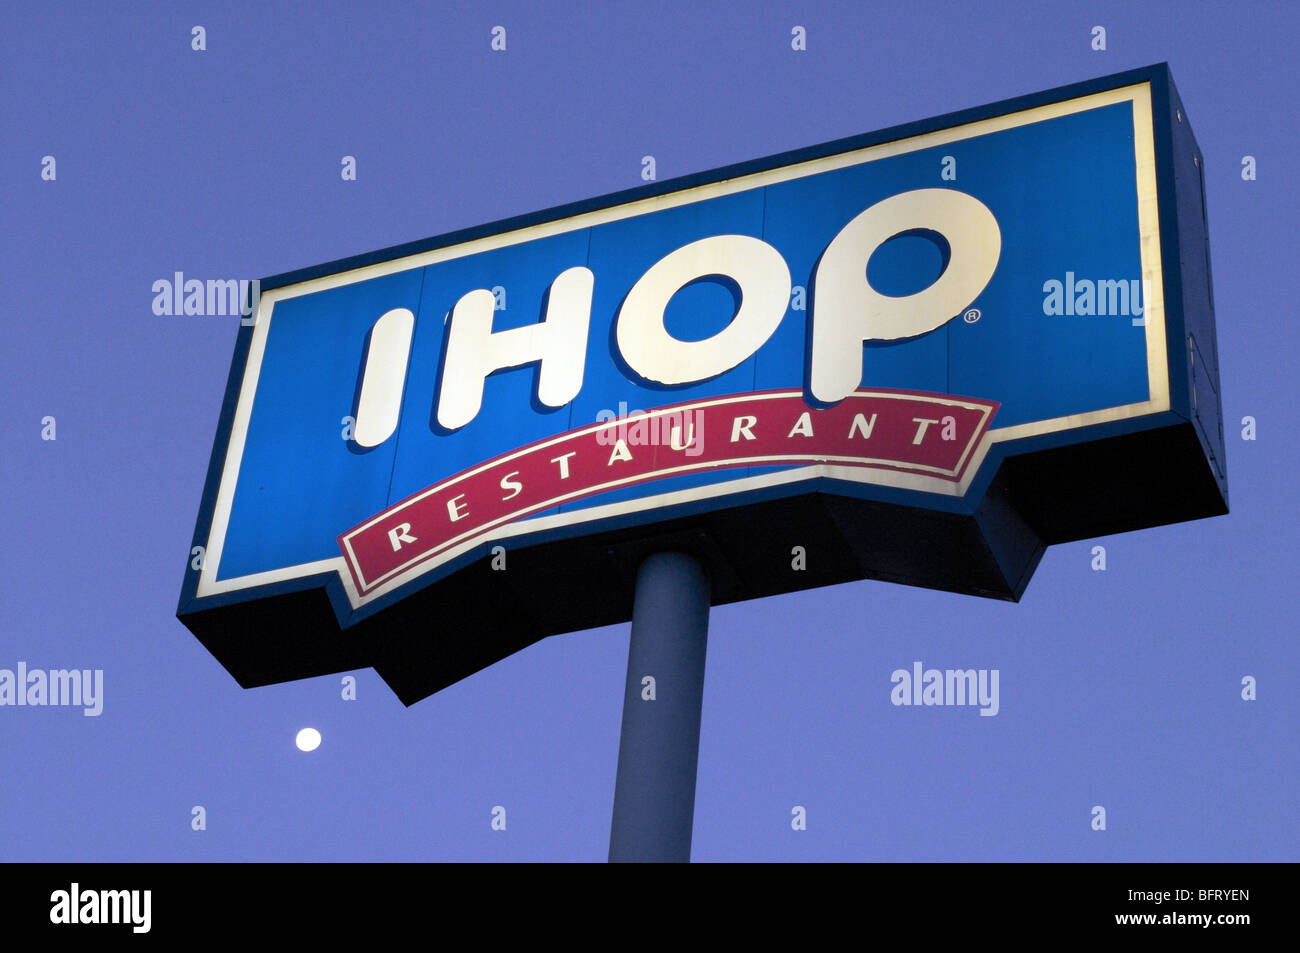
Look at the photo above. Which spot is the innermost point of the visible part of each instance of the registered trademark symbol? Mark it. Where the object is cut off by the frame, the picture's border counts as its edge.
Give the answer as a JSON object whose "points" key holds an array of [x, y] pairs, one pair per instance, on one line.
{"points": [[971, 316]]}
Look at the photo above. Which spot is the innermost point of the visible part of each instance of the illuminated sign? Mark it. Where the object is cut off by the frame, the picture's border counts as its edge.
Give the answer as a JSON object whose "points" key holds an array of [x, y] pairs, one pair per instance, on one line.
{"points": [[920, 355]]}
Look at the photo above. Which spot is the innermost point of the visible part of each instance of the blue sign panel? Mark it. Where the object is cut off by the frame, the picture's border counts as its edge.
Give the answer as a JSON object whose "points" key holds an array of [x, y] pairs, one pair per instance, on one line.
{"points": [[917, 327]]}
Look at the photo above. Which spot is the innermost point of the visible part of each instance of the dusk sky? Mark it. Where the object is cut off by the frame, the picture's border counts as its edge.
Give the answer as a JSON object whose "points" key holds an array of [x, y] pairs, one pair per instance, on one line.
{"points": [[1120, 688]]}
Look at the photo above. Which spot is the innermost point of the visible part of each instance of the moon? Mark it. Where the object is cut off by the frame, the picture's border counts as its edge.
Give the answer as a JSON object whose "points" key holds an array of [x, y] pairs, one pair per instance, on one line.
{"points": [[308, 739]]}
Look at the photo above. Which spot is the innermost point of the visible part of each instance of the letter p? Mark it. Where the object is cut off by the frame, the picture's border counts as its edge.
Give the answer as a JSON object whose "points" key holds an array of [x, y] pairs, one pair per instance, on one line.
{"points": [[848, 312]]}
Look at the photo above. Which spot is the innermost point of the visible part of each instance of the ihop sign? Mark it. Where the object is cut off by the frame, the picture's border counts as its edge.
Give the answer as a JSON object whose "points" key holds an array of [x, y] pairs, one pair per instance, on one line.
{"points": [[432, 456]]}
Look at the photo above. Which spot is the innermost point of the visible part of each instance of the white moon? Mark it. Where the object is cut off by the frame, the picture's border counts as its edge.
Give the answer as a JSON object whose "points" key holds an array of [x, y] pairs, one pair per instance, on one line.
{"points": [[308, 739]]}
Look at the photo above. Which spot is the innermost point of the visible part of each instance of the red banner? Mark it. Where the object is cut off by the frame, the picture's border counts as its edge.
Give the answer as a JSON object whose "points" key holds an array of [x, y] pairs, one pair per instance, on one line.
{"points": [[928, 434]]}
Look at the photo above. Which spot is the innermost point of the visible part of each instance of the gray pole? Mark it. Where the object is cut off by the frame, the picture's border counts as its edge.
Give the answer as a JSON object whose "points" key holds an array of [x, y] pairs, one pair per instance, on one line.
{"points": [[654, 794]]}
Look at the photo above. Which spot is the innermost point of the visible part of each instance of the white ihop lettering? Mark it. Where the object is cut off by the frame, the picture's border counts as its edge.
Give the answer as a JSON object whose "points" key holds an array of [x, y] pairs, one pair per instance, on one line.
{"points": [[846, 312], [380, 403], [558, 344], [764, 281]]}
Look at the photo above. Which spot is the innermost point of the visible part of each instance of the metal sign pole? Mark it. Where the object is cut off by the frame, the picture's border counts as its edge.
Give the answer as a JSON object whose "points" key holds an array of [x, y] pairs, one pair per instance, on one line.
{"points": [[654, 795]]}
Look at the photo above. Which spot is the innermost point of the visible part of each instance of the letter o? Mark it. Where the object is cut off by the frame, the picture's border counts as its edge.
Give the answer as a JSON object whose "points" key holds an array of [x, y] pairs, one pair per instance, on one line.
{"points": [[764, 281]]}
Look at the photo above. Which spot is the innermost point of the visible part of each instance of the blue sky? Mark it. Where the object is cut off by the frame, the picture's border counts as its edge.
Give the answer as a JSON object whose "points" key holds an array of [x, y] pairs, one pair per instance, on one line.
{"points": [[1118, 688]]}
